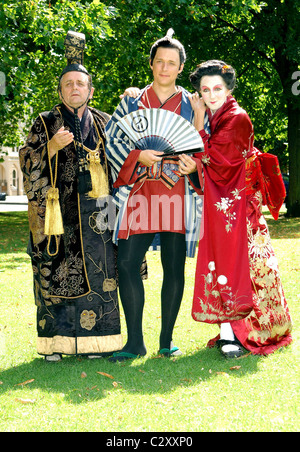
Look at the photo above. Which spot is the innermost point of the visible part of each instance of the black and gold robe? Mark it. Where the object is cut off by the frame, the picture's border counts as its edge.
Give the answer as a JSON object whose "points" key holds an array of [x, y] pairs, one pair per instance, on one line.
{"points": [[74, 273]]}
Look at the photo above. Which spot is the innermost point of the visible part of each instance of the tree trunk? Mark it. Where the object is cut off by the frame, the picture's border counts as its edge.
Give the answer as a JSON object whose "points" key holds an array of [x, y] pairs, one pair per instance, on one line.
{"points": [[293, 204], [286, 71]]}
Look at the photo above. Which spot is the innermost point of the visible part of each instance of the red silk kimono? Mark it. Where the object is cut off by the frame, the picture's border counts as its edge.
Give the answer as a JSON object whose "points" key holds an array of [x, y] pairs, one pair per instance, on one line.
{"points": [[237, 278]]}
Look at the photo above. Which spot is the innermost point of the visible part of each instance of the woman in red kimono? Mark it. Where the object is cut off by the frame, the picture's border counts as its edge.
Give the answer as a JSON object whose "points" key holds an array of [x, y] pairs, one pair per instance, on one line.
{"points": [[237, 281]]}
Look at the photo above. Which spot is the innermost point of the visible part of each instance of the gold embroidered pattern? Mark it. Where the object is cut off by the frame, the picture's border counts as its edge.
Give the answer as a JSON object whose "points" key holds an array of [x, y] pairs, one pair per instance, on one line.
{"points": [[270, 317], [88, 319], [69, 345], [218, 293], [109, 285]]}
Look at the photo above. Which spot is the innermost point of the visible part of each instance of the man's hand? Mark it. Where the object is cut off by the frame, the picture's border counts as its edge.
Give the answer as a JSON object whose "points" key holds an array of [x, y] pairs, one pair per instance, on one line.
{"points": [[131, 92], [149, 157], [61, 139], [187, 164]]}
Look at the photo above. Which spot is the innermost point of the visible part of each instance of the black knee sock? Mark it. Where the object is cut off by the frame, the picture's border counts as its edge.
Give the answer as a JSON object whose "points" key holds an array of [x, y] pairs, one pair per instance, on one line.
{"points": [[130, 256], [173, 254], [131, 253]]}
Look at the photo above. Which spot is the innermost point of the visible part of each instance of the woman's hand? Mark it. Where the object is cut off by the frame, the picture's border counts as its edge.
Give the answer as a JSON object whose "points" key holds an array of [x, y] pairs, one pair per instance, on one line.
{"points": [[199, 108], [149, 157], [187, 164], [131, 92]]}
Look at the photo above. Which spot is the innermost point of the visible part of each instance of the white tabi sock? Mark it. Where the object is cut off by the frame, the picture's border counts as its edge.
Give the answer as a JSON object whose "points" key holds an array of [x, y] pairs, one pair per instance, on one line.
{"points": [[227, 334]]}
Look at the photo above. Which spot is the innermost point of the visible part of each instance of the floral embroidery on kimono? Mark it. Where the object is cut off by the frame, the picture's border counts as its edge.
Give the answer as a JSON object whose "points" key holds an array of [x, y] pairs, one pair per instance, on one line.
{"points": [[237, 277]]}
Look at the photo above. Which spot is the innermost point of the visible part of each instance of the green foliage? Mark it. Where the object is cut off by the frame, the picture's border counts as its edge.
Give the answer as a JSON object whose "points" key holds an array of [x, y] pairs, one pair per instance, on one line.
{"points": [[260, 39], [32, 54]]}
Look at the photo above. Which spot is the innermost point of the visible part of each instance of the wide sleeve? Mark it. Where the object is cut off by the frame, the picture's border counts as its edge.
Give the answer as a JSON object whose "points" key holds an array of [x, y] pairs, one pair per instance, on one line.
{"points": [[271, 183], [197, 179], [120, 152], [227, 148], [35, 165]]}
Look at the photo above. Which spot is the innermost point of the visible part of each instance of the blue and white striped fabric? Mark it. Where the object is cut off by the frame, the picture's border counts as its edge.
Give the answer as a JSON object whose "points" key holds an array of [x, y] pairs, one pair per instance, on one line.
{"points": [[118, 146]]}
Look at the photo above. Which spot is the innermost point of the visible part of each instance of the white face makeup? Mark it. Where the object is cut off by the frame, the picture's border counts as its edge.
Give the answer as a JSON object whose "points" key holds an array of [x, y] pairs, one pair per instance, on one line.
{"points": [[213, 91]]}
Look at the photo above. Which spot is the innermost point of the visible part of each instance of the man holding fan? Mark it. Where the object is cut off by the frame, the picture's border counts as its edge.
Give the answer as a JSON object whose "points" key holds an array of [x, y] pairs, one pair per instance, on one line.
{"points": [[143, 178]]}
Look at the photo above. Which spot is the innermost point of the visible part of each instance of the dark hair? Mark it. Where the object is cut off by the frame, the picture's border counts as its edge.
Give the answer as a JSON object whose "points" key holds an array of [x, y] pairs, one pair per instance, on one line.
{"points": [[75, 68], [214, 67], [168, 42]]}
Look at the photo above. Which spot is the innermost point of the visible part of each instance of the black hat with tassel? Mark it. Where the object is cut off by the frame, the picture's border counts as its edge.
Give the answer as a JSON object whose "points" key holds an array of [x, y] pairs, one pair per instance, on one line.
{"points": [[74, 52]]}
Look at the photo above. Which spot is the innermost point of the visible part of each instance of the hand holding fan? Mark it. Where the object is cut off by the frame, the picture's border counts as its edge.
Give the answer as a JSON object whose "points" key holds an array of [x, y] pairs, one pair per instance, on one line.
{"points": [[161, 130]]}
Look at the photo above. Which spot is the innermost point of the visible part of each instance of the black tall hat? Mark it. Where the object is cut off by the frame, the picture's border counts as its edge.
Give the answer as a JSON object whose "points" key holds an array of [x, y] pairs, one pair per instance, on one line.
{"points": [[74, 52]]}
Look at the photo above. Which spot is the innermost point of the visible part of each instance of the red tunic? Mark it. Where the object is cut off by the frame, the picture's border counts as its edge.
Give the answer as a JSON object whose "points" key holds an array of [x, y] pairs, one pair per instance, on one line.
{"points": [[237, 277], [153, 204]]}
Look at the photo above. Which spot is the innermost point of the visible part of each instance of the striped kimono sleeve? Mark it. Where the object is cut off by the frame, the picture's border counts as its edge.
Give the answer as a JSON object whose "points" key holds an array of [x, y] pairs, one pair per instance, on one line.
{"points": [[118, 147]]}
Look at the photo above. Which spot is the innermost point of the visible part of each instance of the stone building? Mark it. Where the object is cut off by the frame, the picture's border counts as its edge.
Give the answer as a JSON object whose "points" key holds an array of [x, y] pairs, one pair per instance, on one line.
{"points": [[11, 177]]}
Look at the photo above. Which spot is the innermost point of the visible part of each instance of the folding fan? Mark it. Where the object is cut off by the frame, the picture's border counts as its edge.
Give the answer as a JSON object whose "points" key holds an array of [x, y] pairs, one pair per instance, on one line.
{"points": [[161, 130]]}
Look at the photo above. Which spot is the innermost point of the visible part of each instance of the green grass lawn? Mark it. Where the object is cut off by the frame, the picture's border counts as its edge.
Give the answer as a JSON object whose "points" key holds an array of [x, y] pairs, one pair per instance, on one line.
{"points": [[199, 391]]}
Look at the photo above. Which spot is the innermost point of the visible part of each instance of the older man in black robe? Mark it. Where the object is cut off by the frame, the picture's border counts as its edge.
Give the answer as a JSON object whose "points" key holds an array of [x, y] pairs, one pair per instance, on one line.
{"points": [[66, 179]]}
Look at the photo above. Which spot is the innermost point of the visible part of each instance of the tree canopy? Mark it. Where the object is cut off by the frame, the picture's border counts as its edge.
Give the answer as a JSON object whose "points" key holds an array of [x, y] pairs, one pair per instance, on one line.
{"points": [[259, 38]]}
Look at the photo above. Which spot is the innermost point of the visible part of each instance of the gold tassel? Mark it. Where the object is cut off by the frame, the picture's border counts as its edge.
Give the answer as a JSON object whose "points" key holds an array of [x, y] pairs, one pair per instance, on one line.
{"points": [[98, 176], [53, 217]]}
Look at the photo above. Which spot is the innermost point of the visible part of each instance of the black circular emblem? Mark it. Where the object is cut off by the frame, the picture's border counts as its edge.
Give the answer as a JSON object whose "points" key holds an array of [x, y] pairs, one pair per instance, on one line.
{"points": [[139, 124]]}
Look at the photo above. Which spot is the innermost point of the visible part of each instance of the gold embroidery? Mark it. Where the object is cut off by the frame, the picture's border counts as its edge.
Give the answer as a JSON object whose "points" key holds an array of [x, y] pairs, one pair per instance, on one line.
{"points": [[42, 323], [269, 318], [217, 293], [88, 319], [69, 345], [206, 159], [109, 285], [98, 222]]}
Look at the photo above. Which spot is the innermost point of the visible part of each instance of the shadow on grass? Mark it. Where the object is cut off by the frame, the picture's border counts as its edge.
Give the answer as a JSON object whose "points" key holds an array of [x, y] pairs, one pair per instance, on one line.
{"points": [[79, 381], [14, 261], [14, 232], [283, 228]]}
